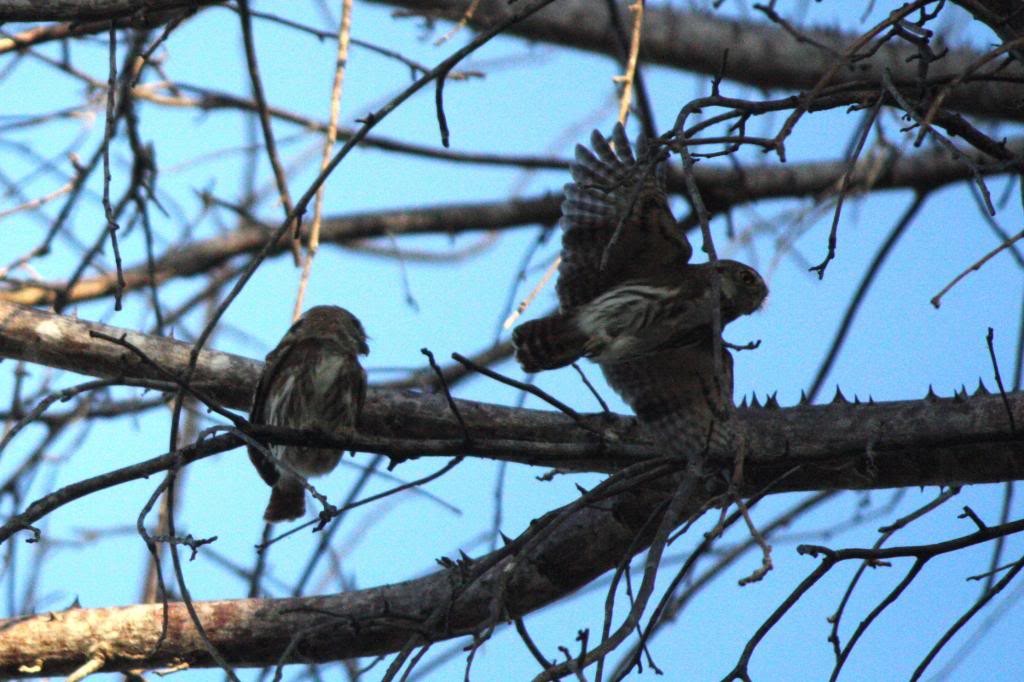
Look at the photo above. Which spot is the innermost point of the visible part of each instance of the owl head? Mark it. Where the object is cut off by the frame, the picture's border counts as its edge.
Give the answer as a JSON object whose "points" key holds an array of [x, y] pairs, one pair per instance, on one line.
{"points": [[333, 324], [743, 289]]}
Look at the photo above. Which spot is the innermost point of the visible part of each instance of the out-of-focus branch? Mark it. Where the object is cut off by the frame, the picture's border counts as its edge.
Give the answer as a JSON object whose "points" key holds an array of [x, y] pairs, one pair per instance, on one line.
{"points": [[1003, 16], [206, 99], [721, 188], [201, 256], [86, 10], [761, 54]]}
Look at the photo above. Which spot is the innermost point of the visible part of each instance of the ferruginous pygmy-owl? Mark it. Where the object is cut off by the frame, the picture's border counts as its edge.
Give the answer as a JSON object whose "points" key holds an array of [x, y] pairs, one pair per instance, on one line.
{"points": [[624, 287], [311, 380], [630, 300]]}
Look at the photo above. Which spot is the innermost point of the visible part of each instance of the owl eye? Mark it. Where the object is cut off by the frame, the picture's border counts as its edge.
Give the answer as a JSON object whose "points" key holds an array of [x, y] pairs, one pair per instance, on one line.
{"points": [[747, 277]]}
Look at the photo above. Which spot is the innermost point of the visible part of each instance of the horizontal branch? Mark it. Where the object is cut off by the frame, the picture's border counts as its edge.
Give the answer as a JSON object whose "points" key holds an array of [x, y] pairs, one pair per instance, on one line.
{"points": [[567, 548], [761, 54], [921, 442], [722, 187], [202, 255], [83, 10]]}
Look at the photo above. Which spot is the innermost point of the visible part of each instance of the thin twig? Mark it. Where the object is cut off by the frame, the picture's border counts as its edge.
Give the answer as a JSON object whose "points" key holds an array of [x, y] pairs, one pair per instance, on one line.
{"points": [[33, 204], [844, 183], [108, 137], [590, 386], [989, 338], [636, 8], [529, 388], [341, 60], [455, 461], [936, 300], [525, 303], [862, 290], [239, 422], [447, 394], [268, 132], [766, 549], [941, 139], [977, 606]]}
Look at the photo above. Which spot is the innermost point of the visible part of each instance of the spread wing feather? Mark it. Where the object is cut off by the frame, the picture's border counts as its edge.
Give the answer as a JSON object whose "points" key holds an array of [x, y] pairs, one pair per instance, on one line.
{"points": [[274, 362], [616, 211]]}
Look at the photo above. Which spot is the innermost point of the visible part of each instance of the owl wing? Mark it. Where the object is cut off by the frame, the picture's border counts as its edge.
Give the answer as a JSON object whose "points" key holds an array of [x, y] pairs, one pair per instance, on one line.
{"points": [[612, 187], [288, 366], [276, 362], [678, 399]]}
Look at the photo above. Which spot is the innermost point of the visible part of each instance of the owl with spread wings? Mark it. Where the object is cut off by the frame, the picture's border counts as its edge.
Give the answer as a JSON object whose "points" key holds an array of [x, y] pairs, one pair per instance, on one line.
{"points": [[311, 380], [631, 301]]}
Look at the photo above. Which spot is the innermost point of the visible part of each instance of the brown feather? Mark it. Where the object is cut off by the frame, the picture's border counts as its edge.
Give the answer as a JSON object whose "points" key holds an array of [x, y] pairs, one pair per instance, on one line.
{"points": [[311, 380], [287, 501], [548, 343], [679, 400], [617, 196]]}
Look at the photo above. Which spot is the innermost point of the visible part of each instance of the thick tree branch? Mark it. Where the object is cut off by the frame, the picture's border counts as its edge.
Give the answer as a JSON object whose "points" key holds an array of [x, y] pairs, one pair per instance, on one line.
{"points": [[252, 632], [581, 542], [923, 442], [84, 10], [760, 54]]}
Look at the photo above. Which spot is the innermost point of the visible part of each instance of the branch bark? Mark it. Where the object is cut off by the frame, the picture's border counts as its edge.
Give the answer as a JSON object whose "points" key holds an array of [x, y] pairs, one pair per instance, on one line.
{"points": [[761, 54], [840, 445], [84, 10], [252, 632]]}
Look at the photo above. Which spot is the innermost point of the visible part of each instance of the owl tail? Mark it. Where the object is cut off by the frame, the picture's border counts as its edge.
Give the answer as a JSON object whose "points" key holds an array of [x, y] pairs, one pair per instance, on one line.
{"points": [[287, 500], [548, 343]]}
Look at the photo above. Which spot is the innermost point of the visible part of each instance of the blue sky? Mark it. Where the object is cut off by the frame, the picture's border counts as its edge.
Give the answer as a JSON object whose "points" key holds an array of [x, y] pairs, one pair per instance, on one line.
{"points": [[534, 99]]}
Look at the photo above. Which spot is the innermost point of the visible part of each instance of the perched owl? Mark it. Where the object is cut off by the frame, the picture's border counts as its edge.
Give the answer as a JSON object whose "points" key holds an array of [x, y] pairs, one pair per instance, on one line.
{"points": [[625, 287], [311, 380]]}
